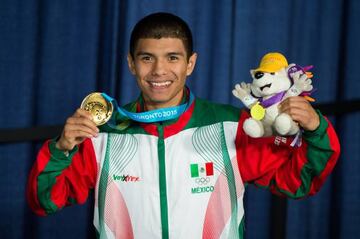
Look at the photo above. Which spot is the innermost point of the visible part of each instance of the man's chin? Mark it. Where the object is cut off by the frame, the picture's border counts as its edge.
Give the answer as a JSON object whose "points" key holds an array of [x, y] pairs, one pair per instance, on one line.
{"points": [[155, 101], [159, 101]]}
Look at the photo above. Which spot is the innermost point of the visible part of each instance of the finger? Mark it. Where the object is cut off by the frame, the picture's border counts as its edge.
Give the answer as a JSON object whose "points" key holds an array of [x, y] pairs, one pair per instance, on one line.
{"points": [[287, 107], [237, 87], [83, 113], [82, 121], [243, 85], [82, 127], [301, 111], [307, 119], [303, 77], [301, 116], [291, 65], [296, 76], [79, 140], [308, 88], [71, 133], [296, 113], [296, 101], [292, 100], [235, 93]]}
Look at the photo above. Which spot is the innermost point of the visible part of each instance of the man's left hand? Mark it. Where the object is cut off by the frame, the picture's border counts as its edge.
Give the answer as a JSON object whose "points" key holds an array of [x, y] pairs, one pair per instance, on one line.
{"points": [[301, 111]]}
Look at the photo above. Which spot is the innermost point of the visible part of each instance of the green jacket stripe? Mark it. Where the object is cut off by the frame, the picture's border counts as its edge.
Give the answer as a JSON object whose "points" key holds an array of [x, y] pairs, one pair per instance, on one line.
{"points": [[162, 184]]}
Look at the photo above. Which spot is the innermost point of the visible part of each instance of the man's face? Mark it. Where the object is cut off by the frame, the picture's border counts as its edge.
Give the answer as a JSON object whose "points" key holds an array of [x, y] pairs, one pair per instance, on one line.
{"points": [[161, 67]]}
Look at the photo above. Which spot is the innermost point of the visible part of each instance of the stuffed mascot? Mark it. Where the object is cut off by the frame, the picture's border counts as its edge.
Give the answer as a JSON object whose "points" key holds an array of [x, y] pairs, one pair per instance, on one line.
{"points": [[273, 81]]}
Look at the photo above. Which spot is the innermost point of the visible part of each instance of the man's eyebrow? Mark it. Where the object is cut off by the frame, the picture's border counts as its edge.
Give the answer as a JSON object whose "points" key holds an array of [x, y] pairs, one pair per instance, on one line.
{"points": [[176, 53], [142, 53]]}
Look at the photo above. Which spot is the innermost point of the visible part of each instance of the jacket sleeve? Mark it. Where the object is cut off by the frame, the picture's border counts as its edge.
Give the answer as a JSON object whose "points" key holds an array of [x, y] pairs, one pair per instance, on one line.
{"points": [[294, 172], [57, 180]]}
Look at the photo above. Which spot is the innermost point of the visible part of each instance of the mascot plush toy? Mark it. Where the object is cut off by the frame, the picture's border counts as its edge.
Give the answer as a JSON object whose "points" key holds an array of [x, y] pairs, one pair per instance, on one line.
{"points": [[273, 81]]}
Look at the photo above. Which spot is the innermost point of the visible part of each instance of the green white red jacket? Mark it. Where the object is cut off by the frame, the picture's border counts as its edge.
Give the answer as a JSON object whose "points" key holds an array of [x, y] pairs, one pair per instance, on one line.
{"points": [[180, 179]]}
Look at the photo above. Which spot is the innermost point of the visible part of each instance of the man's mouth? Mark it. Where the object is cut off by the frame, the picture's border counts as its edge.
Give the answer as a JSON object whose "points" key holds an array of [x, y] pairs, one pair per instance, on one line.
{"points": [[263, 87], [162, 84]]}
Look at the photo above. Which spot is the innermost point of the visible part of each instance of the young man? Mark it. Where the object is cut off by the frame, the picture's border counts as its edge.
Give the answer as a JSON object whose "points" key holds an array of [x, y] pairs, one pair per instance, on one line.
{"points": [[177, 178]]}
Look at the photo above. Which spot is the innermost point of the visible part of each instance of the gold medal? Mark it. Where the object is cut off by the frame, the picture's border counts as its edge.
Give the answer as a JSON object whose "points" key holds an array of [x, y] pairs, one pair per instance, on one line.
{"points": [[100, 109], [257, 111]]}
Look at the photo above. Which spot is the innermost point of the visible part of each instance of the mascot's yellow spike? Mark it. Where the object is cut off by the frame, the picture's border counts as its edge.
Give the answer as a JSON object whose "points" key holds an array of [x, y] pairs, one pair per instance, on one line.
{"points": [[309, 74], [308, 98]]}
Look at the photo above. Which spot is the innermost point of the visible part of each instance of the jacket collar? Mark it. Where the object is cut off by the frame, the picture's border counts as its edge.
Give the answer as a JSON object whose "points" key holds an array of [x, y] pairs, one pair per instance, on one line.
{"points": [[170, 127]]}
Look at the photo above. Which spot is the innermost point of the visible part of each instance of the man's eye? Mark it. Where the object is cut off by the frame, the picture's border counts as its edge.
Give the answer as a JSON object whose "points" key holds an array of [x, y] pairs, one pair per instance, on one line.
{"points": [[146, 58], [173, 58]]}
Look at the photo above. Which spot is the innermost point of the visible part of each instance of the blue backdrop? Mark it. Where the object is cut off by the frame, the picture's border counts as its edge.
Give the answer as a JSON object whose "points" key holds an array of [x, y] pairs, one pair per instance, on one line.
{"points": [[53, 53]]}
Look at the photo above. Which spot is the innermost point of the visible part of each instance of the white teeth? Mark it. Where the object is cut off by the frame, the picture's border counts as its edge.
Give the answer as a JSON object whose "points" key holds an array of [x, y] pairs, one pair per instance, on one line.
{"points": [[160, 84]]}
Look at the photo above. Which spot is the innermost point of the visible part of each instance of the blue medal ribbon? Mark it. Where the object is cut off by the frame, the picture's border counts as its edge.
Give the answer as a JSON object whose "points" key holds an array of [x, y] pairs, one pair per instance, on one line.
{"points": [[152, 115]]}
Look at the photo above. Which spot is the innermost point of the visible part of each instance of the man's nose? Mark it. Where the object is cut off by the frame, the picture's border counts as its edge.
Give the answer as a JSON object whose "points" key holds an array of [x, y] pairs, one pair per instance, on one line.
{"points": [[159, 67]]}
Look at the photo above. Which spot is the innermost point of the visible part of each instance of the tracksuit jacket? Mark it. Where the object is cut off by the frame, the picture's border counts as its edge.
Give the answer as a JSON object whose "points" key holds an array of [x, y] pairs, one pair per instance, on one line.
{"points": [[183, 178]]}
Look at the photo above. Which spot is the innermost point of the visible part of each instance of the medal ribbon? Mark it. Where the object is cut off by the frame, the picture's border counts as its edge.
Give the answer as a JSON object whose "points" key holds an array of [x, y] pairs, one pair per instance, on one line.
{"points": [[152, 115], [272, 100]]}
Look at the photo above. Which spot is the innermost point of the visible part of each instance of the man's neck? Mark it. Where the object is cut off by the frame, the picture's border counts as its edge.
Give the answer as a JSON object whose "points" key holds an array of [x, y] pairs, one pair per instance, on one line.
{"points": [[149, 105]]}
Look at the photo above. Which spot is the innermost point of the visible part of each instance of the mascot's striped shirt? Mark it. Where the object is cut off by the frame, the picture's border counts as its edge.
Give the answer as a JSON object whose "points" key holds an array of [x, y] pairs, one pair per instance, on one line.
{"points": [[183, 178]]}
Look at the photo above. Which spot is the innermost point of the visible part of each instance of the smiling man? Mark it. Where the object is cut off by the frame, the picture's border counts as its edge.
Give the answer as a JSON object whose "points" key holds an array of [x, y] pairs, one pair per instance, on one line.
{"points": [[183, 176], [161, 67]]}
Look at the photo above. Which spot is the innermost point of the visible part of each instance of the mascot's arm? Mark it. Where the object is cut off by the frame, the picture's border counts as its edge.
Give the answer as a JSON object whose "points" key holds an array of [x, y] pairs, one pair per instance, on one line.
{"points": [[242, 91], [301, 84], [57, 180], [289, 171]]}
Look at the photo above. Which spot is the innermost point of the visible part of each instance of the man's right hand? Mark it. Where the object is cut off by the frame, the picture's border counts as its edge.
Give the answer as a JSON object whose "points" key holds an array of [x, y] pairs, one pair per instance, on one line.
{"points": [[77, 128]]}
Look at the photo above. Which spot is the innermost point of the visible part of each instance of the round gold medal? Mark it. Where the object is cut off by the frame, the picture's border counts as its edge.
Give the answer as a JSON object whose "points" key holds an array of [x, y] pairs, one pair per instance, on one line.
{"points": [[100, 109], [257, 112]]}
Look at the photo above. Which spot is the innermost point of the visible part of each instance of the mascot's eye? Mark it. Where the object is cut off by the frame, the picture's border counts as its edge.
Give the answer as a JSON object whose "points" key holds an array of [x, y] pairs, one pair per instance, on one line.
{"points": [[272, 73], [259, 74]]}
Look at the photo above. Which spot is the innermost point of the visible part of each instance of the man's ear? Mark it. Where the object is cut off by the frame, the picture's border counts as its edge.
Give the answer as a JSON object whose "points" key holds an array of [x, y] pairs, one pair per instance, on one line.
{"points": [[191, 64], [131, 64]]}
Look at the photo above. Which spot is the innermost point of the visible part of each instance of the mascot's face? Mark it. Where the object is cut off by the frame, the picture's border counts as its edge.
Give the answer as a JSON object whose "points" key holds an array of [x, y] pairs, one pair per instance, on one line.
{"points": [[268, 84]]}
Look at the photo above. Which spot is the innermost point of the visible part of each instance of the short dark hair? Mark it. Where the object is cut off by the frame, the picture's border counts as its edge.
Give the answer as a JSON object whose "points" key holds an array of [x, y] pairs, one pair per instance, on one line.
{"points": [[162, 25]]}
